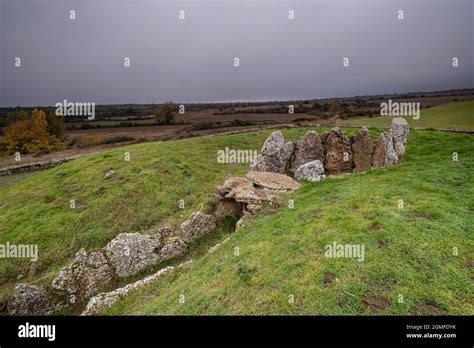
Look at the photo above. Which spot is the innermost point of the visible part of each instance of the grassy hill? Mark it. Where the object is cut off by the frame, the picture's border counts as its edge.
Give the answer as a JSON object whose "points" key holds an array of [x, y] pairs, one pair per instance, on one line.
{"points": [[453, 116], [407, 251]]}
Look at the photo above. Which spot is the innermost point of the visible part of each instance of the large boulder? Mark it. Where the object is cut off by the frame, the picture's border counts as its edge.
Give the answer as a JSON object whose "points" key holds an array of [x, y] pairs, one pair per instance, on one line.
{"points": [[312, 171], [197, 225], [275, 154], [87, 275], [338, 152], [362, 148], [273, 181], [391, 157], [308, 148], [29, 300], [130, 253], [400, 131], [378, 155]]}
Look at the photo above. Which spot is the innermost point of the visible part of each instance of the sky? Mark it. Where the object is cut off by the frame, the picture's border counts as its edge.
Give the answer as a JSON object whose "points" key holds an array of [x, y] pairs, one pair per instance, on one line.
{"points": [[192, 60]]}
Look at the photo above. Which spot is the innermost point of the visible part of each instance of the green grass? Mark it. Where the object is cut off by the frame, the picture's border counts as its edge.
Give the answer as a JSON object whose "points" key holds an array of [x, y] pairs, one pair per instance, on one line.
{"points": [[450, 116], [280, 253]]}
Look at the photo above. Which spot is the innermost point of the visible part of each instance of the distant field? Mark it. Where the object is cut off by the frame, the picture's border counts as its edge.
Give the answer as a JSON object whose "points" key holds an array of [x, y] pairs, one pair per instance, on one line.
{"points": [[453, 116]]}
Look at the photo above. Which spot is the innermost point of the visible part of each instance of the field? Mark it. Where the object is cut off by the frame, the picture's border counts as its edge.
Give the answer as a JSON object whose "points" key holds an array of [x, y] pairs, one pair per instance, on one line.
{"points": [[449, 116], [409, 251]]}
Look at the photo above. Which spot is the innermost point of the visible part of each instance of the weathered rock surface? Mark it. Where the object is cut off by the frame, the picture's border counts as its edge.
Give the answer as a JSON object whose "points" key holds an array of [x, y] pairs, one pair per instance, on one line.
{"points": [[130, 253], [307, 149], [324, 137], [362, 148], [311, 171], [227, 207], [273, 181], [87, 275], [102, 301], [29, 300], [378, 155], [232, 183], [391, 157], [338, 152], [400, 131], [172, 247], [275, 154], [197, 225]]}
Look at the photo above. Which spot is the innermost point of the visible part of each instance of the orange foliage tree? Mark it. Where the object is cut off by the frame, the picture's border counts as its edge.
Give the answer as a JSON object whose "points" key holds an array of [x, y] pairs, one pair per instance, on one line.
{"points": [[30, 135]]}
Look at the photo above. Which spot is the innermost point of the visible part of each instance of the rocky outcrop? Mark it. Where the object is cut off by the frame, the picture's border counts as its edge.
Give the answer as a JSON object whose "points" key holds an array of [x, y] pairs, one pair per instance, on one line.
{"points": [[87, 275], [275, 154], [362, 148], [338, 152], [102, 301], [400, 131], [273, 181], [311, 171], [29, 300], [307, 149], [197, 225]]}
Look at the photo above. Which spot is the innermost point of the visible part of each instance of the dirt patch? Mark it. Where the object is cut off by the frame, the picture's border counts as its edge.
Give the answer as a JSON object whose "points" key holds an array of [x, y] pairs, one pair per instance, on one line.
{"points": [[375, 303], [421, 216], [382, 244], [374, 227], [329, 277], [427, 308]]}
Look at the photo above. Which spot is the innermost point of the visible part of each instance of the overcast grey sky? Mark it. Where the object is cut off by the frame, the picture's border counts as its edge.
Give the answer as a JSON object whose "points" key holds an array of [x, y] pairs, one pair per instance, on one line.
{"points": [[193, 60]]}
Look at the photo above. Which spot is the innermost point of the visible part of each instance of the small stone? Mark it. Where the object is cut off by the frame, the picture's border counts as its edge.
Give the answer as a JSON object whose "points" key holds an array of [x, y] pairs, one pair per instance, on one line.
{"points": [[311, 171]]}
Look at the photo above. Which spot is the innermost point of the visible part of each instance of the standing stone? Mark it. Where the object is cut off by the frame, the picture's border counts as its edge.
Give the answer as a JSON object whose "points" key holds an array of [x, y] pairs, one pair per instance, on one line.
{"points": [[275, 154], [400, 130], [29, 300], [197, 225], [308, 148], [87, 275], [338, 152], [378, 155], [362, 147], [312, 171], [391, 157]]}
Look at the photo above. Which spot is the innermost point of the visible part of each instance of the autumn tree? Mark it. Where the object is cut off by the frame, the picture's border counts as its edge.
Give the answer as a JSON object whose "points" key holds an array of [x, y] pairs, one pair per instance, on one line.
{"points": [[165, 113], [30, 135]]}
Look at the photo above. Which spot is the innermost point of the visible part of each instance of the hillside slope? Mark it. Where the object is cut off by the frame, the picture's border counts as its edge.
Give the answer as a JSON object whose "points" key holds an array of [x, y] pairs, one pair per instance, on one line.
{"points": [[408, 252], [458, 115]]}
